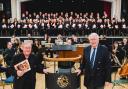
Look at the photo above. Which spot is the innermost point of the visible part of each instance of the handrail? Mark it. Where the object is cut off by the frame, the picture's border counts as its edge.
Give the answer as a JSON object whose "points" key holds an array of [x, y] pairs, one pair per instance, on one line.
{"points": [[62, 59]]}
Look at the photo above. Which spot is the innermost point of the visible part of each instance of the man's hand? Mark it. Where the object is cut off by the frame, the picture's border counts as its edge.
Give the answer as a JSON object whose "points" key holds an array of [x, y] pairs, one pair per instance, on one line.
{"points": [[108, 84], [20, 73], [45, 71], [78, 72]]}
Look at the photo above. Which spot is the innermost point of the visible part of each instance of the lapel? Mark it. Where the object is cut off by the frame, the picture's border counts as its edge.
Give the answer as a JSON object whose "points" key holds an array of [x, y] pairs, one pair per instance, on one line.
{"points": [[97, 55], [88, 51]]}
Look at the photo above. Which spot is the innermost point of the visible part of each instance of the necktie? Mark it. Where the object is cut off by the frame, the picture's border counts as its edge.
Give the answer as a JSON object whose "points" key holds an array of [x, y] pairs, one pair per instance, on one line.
{"points": [[92, 57]]}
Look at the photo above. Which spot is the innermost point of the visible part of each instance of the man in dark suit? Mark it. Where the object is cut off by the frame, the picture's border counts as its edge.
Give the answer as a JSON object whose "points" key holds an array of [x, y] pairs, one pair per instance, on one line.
{"points": [[8, 55], [96, 63], [125, 46], [23, 79]]}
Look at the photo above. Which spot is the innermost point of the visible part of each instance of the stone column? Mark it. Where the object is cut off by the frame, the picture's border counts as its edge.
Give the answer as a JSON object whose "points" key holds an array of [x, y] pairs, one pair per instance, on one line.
{"points": [[14, 8], [18, 9]]}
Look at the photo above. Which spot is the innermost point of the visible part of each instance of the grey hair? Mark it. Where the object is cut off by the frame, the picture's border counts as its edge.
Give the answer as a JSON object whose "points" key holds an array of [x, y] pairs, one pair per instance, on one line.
{"points": [[93, 35], [27, 43]]}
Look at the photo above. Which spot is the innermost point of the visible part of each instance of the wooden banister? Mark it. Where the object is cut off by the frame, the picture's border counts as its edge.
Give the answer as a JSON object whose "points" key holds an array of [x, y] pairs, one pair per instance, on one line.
{"points": [[62, 59]]}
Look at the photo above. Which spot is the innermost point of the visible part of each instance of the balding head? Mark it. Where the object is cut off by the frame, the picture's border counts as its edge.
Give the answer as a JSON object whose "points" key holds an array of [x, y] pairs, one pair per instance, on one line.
{"points": [[9, 45], [125, 41], [94, 39]]}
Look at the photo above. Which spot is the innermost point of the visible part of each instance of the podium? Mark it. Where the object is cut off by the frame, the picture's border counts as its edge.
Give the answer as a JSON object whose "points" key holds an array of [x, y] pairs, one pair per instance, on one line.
{"points": [[62, 80]]}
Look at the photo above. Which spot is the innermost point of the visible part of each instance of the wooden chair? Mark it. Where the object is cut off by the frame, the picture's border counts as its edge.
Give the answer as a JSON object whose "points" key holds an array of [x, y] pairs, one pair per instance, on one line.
{"points": [[3, 81]]}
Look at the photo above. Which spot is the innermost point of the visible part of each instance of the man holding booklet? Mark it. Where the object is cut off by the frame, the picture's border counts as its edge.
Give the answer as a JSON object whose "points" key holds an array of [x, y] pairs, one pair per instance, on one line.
{"points": [[25, 66]]}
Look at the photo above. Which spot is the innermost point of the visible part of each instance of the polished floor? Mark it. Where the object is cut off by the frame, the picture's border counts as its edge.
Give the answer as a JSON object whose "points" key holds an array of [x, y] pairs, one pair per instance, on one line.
{"points": [[40, 84]]}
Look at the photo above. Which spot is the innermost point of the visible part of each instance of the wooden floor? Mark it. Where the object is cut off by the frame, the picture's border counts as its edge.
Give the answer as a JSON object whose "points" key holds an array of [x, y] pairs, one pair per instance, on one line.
{"points": [[40, 84]]}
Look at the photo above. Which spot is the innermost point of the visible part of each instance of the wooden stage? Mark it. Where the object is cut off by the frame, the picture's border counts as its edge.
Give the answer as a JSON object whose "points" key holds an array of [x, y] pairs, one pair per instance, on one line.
{"points": [[40, 84]]}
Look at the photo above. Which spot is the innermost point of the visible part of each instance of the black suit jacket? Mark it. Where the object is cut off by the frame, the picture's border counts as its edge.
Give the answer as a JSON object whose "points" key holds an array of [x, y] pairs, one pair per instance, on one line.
{"points": [[101, 72], [28, 80], [8, 54]]}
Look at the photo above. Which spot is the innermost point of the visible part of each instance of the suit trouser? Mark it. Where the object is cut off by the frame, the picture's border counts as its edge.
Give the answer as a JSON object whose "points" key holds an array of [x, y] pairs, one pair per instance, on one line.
{"points": [[92, 87]]}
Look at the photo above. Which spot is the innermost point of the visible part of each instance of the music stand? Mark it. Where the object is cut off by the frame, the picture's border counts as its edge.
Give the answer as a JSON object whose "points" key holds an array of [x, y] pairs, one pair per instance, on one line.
{"points": [[43, 42], [64, 47]]}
